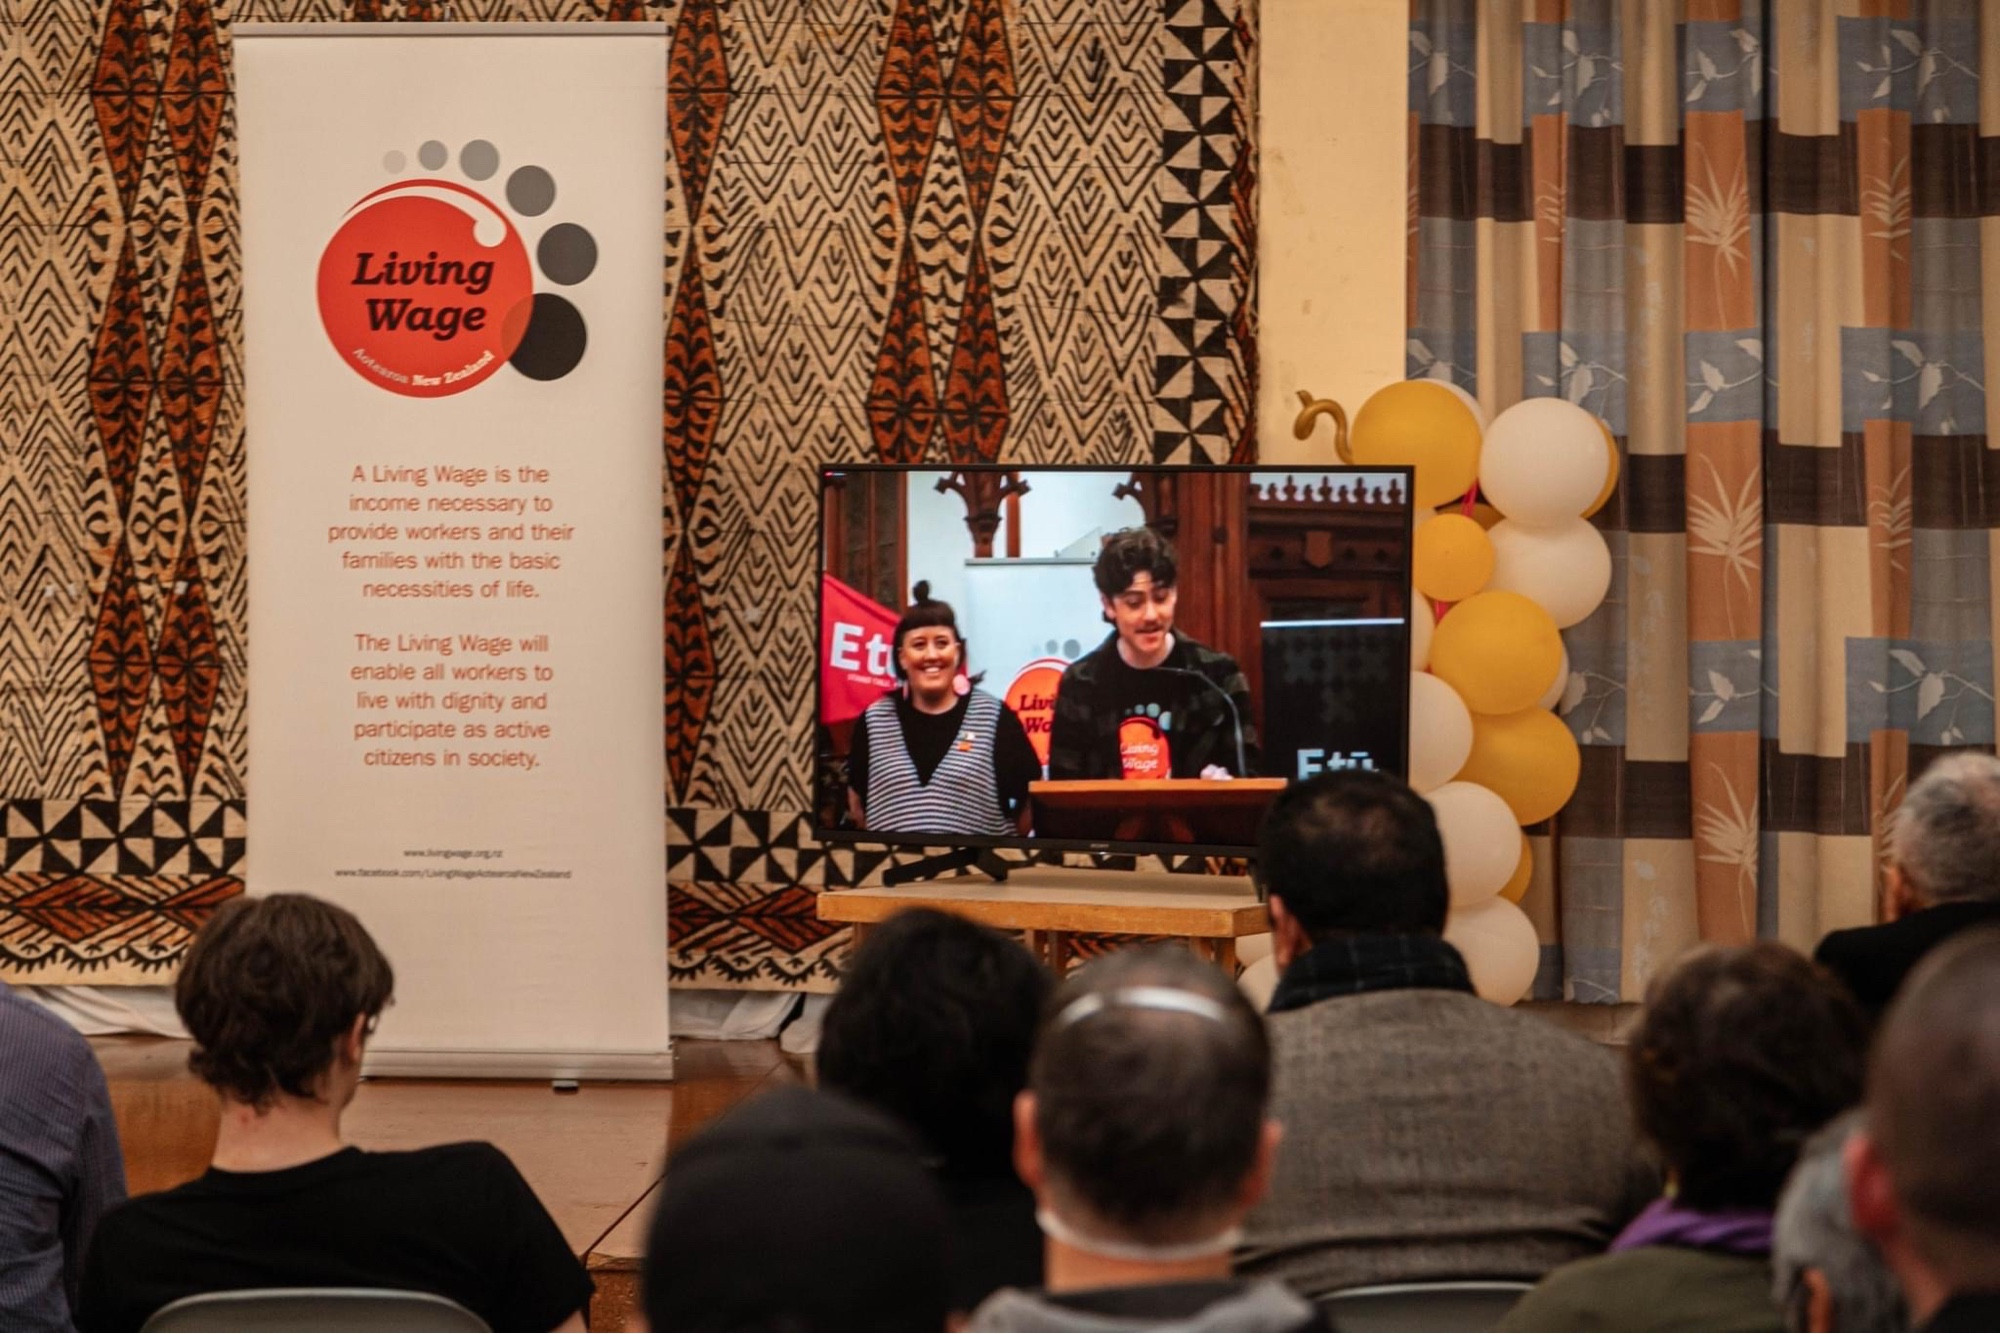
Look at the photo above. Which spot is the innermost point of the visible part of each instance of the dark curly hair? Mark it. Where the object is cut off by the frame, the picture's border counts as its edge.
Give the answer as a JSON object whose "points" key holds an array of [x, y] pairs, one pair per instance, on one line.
{"points": [[1129, 553], [934, 1023], [268, 987], [1741, 1054]]}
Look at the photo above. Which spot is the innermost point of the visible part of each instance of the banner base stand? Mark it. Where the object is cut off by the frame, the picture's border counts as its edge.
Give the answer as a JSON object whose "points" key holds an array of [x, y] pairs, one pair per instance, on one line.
{"points": [[447, 1063]]}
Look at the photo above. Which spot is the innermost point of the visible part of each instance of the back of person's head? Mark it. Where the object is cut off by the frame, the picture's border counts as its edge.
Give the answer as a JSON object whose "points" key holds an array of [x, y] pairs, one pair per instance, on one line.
{"points": [[1149, 1086], [1129, 553], [1945, 839], [1354, 850], [1826, 1275], [934, 1022], [268, 988], [1742, 1053], [1933, 1111], [798, 1211]]}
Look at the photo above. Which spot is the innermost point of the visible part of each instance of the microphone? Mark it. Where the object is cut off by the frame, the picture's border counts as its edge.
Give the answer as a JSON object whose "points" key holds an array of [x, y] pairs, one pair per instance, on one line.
{"points": [[1235, 716]]}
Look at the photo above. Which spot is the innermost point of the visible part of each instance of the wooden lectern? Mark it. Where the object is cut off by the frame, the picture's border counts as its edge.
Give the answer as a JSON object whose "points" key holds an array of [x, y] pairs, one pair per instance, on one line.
{"points": [[1217, 812]]}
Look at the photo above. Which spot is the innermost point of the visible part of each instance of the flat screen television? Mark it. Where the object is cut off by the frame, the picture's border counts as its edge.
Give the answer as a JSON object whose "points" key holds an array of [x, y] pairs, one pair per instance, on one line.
{"points": [[1108, 660]]}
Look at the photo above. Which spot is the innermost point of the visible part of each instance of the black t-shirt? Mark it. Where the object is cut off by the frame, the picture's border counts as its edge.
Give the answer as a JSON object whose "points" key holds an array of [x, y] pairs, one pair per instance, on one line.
{"points": [[456, 1220], [928, 738]]}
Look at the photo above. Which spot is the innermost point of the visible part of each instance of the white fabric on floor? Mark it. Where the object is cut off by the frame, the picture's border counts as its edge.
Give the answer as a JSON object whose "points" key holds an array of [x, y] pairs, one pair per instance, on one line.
{"points": [[801, 1036], [730, 1016], [100, 1011]]}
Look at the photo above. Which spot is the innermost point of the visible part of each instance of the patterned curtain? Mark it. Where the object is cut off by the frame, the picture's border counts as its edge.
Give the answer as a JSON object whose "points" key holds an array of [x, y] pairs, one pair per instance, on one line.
{"points": [[1751, 237]]}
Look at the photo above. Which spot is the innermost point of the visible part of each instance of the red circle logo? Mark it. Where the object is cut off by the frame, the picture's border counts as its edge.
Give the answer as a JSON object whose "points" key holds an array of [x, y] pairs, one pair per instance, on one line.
{"points": [[425, 289]]}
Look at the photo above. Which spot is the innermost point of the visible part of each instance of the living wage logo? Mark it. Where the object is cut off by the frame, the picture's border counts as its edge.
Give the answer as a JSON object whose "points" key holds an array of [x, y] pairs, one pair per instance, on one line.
{"points": [[427, 287]]}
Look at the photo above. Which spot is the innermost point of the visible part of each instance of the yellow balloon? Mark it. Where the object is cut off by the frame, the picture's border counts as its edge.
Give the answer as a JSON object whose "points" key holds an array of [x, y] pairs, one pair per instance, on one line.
{"points": [[1451, 558], [1516, 888], [1529, 758], [1423, 425], [1610, 474], [1500, 651]]}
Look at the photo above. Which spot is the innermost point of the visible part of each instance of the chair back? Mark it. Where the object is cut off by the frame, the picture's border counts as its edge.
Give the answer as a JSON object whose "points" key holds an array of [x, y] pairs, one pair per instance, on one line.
{"points": [[281, 1310], [1392, 1308]]}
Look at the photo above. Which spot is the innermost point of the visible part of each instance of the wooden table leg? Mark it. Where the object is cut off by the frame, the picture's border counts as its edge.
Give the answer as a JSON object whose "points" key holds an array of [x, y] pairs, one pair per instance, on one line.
{"points": [[1059, 954], [1038, 945], [1225, 956]]}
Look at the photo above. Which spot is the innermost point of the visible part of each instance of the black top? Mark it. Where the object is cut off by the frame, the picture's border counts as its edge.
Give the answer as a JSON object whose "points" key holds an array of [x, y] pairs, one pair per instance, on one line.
{"points": [[1874, 960], [996, 1242], [456, 1220], [1967, 1311], [1183, 700], [928, 738]]}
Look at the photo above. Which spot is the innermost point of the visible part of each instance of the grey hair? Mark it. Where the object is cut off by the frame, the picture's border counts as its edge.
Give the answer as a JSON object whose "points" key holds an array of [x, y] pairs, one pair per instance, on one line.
{"points": [[1946, 835], [1814, 1230]]}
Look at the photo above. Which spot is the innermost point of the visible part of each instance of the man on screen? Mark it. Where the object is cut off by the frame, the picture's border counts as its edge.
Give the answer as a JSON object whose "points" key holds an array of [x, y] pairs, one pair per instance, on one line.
{"points": [[1149, 702]]}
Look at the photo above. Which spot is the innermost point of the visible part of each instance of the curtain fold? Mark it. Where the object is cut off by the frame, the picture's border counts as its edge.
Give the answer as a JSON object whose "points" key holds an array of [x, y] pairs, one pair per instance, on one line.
{"points": [[1759, 240]]}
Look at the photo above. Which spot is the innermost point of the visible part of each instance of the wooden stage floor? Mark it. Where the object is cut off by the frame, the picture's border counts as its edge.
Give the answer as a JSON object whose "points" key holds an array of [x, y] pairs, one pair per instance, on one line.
{"points": [[594, 1156]]}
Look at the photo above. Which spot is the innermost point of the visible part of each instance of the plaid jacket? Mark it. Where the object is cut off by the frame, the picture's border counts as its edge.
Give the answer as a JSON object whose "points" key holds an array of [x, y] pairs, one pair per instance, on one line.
{"points": [[1083, 736]]}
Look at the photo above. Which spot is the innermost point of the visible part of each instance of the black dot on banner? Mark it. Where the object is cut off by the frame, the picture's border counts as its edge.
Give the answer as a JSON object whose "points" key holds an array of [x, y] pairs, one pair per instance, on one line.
{"points": [[554, 341], [567, 253], [530, 190]]}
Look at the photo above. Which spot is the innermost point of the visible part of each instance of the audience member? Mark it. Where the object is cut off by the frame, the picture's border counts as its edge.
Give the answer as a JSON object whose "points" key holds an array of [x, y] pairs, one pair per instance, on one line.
{"points": [[1144, 1138], [1943, 876], [798, 1211], [1825, 1275], [59, 1163], [934, 1023], [280, 995], [1429, 1134], [1924, 1173], [1741, 1055]]}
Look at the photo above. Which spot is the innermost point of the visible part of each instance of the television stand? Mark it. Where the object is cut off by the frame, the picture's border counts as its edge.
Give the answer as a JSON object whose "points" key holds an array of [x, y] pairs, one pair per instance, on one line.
{"points": [[1052, 904], [958, 859]]}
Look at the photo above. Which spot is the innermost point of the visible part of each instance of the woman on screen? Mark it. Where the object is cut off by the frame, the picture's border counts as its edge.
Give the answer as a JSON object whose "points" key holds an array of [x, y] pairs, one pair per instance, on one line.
{"points": [[939, 755]]}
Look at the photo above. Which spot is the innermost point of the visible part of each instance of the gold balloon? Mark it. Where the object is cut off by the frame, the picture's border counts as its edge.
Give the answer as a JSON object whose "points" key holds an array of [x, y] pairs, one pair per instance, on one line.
{"points": [[1500, 651], [1451, 558], [1529, 758], [1516, 888], [1422, 425], [1610, 474]]}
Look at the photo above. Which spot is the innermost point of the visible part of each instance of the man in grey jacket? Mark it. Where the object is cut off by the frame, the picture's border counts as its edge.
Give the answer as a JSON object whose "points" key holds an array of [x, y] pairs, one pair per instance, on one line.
{"points": [[1142, 1133], [1429, 1135]]}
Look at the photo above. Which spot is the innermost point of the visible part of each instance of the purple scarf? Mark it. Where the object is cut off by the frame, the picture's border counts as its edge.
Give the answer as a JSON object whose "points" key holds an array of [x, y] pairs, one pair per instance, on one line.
{"points": [[1735, 1231]]}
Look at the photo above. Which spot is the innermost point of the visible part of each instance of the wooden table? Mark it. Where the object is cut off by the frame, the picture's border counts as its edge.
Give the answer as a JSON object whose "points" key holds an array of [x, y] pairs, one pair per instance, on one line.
{"points": [[1051, 904]]}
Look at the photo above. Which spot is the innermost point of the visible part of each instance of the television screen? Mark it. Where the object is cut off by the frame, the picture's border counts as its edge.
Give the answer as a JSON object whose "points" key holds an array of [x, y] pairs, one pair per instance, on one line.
{"points": [[1111, 660]]}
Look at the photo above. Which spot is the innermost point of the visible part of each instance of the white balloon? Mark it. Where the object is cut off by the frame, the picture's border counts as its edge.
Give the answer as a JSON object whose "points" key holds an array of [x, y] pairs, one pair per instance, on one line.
{"points": [[1440, 732], [1423, 622], [1500, 947], [1482, 843], [1557, 686], [1543, 461], [1478, 413], [1565, 567]]}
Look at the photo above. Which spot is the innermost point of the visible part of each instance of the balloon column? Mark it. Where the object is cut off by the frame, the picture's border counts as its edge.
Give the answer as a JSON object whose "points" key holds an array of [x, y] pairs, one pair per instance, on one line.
{"points": [[1506, 561]]}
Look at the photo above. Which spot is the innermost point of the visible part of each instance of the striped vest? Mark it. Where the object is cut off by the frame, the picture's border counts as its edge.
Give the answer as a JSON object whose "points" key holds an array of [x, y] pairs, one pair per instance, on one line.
{"points": [[961, 796]]}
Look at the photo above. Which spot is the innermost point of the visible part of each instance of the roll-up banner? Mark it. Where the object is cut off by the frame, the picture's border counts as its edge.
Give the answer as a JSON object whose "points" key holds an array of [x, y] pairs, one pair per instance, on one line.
{"points": [[452, 360]]}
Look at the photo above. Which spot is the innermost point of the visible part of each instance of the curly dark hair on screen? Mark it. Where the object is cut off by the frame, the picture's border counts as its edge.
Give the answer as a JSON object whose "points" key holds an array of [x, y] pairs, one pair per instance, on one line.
{"points": [[267, 989], [934, 1023], [1129, 553], [1742, 1053]]}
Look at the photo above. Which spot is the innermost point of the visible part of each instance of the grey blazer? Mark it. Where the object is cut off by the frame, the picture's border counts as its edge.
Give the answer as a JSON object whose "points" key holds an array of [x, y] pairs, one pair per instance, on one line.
{"points": [[1431, 1135]]}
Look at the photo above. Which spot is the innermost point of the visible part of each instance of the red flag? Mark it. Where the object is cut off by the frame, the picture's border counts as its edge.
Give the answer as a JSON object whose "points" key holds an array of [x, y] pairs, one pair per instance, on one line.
{"points": [[856, 639]]}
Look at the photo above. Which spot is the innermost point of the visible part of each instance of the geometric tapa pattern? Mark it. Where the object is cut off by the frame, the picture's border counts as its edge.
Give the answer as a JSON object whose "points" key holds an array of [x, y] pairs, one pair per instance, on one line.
{"points": [[1012, 230], [1746, 234]]}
